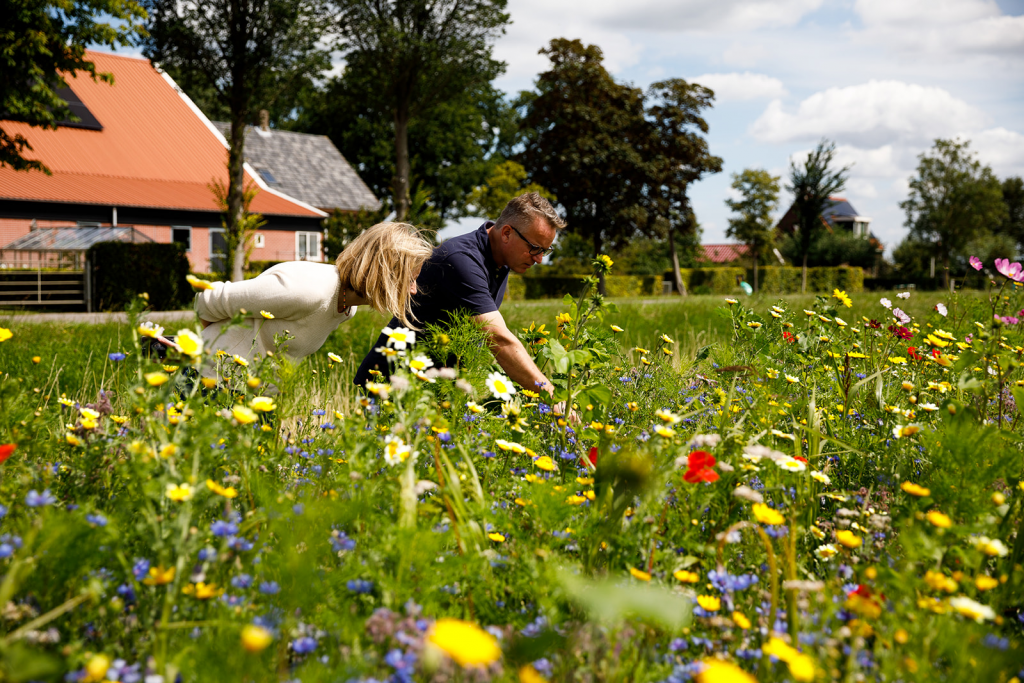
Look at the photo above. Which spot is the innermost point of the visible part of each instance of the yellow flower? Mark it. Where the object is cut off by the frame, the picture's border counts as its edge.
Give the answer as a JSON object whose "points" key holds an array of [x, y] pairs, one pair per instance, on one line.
{"points": [[897, 360], [119, 419], [96, 668], [545, 463], [731, 301], [766, 515], [663, 431], [633, 406], [915, 490], [190, 343], [753, 324], [637, 574], [5, 334], [240, 361], [244, 415], [575, 500], [255, 638], [938, 519], [686, 577], [35, 359], [158, 576], [616, 329], [197, 284], [984, 583], [208, 382], [510, 446], [227, 492], [971, 609], [263, 404], [202, 591], [718, 671], [168, 450], [792, 380], [848, 538], [667, 339], [740, 619], [709, 603], [841, 295], [527, 674], [150, 330], [801, 667], [267, 315], [496, 537], [179, 493], [604, 262], [466, 643], [155, 379]]}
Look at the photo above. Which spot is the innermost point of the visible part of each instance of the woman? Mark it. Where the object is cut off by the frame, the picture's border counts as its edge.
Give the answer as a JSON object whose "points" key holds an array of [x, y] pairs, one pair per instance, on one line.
{"points": [[309, 300]]}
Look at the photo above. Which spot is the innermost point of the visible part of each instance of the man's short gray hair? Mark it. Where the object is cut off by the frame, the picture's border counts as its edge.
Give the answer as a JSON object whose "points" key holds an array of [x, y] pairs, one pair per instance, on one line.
{"points": [[524, 209]]}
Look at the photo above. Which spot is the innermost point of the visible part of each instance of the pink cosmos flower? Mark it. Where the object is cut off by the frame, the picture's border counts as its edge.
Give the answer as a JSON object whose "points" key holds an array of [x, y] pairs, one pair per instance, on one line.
{"points": [[976, 263], [1010, 270], [901, 316]]}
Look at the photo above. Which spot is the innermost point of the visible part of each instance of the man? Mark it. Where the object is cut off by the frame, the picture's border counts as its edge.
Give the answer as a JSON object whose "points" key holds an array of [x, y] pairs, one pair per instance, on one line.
{"points": [[470, 272]]}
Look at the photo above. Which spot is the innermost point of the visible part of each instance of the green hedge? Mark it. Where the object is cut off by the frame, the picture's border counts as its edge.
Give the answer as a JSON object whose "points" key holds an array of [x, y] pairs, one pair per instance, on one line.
{"points": [[121, 271], [772, 280]]}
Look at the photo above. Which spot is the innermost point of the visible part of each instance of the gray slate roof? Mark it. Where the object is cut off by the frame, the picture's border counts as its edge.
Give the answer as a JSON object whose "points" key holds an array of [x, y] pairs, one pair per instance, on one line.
{"points": [[307, 167], [74, 239], [839, 209]]}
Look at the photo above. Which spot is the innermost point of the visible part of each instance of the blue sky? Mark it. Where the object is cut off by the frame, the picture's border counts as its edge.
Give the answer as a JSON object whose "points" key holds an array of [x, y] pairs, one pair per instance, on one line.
{"points": [[882, 78]]}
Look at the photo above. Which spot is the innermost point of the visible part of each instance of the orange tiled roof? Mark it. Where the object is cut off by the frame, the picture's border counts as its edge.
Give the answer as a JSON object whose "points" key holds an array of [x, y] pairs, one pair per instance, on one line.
{"points": [[721, 253], [154, 150]]}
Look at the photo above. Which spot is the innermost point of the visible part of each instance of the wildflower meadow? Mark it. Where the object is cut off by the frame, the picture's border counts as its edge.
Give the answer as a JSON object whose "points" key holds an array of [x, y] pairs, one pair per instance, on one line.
{"points": [[822, 497]]}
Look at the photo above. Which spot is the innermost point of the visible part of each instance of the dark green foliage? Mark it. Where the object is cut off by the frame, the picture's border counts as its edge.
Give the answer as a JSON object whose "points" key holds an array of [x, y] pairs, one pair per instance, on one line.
{"points": [[344, 226], [1013, 197], [122, 271], [953, 200], [41, 43], [832, 249], [426, 65], [812, 186]]}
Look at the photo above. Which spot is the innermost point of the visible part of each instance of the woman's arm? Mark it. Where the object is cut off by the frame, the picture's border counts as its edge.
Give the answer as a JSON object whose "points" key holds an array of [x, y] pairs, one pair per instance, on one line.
{"points": [[277, 292]]}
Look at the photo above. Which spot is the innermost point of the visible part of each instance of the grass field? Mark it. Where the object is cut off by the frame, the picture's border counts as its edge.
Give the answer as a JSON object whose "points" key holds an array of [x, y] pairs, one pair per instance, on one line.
{"points": [[74, 358]]}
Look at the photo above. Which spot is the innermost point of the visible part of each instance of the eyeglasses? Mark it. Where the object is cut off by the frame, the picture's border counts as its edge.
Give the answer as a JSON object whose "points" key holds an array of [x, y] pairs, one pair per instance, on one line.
{"points": [[535, 250]]}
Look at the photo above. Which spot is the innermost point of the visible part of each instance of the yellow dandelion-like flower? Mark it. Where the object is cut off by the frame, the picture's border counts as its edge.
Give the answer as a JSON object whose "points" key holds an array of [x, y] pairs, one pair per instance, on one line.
{"points": [[709, 603], [849, 539], [255, 638], [766, 515], [466, 643], [155, 379], [915, 490], [637, 574]]}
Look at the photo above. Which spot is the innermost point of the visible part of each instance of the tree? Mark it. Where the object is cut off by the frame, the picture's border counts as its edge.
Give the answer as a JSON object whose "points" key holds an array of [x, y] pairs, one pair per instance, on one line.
{"points": [[952, 200], [585, 138], [1013, 198], [408, 58], [42, 42], [812, 185], [506, 182], [238, 55], [753, 226], [678, 155]]}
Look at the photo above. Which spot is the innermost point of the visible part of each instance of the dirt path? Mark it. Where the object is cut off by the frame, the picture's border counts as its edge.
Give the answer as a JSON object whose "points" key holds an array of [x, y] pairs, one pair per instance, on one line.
{"points": [[23, 317]]}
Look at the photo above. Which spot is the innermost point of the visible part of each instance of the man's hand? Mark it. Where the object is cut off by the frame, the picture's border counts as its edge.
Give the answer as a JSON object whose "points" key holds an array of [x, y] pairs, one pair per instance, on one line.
{"points": [[511, 354]]}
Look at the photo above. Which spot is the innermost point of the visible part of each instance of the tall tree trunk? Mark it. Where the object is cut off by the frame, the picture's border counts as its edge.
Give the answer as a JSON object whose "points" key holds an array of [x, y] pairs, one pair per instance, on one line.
{"points": [[234, 259], [755, 272], [402, 170], [803, 276], [677, 274], [945, 271]]}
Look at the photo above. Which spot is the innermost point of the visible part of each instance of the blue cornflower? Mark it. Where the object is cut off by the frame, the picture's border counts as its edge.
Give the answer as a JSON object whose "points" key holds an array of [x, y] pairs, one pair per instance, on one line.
{"points": [[140, 569], [304, 645], [241, 581], [270, 588], [360, 586], [340, 541], [96, 519], [207, 555], [240, 543], [117, 356], [35, 499], [126, 591], [222, 528], [298, 508]]}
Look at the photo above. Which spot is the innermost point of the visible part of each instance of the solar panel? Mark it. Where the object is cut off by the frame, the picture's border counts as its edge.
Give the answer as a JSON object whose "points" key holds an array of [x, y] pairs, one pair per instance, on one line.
{"points": [[79, 110]]}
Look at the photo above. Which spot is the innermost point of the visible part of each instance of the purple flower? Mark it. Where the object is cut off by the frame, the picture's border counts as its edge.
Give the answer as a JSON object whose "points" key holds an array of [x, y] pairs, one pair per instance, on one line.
{"points": [[270, 588], [976, 263], [222, 528], [304, 645], [241, 581], [1007, 319], [117, 357], [34, 499], [1010, 270]]}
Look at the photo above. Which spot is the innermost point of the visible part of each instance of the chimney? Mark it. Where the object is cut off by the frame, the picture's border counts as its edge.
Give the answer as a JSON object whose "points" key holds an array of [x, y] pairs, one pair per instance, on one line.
{"points": [[264, 120]]}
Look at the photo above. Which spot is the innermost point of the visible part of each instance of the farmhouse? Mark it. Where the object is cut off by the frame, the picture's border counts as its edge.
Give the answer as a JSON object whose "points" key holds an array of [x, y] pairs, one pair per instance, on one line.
{"points": [[838, 216], [144, 156]]}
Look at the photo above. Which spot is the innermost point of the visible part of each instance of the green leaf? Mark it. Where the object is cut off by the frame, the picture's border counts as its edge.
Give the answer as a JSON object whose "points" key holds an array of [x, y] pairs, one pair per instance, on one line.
{"points": [[557, 354], [704, 352], [1018, 398], [614, 601]]}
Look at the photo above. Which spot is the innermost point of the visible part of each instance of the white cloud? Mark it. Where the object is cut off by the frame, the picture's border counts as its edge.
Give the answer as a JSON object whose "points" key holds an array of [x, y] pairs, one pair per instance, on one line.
{"points": [[942, 28], [1001, 149], [869, 115], [735, 87]]}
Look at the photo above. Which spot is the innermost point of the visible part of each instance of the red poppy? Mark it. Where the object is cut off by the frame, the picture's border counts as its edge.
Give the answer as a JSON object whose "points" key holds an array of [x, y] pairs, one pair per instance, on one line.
{"points": [[6, 450], [698, 468], [936, 353], [593, 455], [789, 337], [801, 459], [912, 352]]}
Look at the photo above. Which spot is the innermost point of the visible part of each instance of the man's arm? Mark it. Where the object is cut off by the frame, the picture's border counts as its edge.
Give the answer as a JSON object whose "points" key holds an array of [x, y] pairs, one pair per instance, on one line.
{"points": [[511, 354]]}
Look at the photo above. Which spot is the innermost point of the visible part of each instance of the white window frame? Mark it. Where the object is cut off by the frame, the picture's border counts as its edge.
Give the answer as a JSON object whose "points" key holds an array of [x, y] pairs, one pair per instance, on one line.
{"points": [[303, 236], [259, 240], [210, 252], [183, 227]]}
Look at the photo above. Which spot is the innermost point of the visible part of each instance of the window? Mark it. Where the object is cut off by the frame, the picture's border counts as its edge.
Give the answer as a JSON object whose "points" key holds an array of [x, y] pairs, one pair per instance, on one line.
{"points": [[218, 250], [182, 235], [259, 241], [307, 246], [267, 176]]}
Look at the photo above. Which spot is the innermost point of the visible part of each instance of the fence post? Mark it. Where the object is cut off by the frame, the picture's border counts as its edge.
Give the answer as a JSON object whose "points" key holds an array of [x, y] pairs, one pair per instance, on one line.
{"points": [[39, 283], [87, 285]]}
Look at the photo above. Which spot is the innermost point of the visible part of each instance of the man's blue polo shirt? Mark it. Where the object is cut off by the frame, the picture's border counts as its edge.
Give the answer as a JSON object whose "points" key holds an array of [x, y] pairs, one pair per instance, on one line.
{"points": [[460, 275]]}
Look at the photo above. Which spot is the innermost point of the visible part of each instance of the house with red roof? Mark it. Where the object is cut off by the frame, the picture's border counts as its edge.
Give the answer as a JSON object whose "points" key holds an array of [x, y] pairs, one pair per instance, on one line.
{"points": [[144, 156], [710, 255]]}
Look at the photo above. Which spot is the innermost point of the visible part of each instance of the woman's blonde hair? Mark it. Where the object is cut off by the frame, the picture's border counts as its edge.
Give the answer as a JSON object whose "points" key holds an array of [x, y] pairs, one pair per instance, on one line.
{"points": [[381, 265]]}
